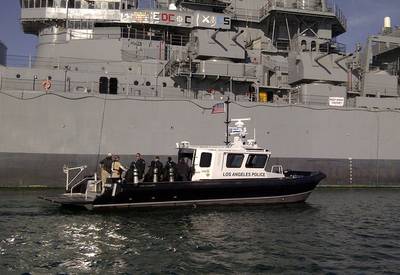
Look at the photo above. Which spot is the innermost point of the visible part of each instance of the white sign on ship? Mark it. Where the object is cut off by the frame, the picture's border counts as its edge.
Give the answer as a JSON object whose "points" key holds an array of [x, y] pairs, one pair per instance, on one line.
{"points": [[336, 101]]}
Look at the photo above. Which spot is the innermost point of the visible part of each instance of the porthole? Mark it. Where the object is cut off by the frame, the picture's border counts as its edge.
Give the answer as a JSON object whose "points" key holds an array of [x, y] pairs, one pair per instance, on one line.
{"points": [[164, 84], [136, 83], [148, 83], [18, 76]]}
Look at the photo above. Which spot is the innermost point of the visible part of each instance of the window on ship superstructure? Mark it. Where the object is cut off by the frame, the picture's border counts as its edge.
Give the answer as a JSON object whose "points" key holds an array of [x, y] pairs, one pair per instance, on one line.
{"points": [[111, 5], [130, 4], [70, 4], [98, 5], [256, 161], [205, 160], [234, 160]]}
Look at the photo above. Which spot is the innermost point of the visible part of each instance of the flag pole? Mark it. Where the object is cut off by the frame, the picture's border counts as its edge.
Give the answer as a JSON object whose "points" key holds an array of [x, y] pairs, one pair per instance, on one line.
{"points": [[227, 121]]}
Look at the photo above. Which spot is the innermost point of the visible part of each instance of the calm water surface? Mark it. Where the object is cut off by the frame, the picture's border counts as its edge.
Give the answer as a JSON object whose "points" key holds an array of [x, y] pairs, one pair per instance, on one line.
{"points": [[336, 232]]}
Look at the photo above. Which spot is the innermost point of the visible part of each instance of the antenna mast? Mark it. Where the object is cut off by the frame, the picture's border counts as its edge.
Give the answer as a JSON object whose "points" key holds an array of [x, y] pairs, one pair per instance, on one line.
{"points": [[227, 121]]}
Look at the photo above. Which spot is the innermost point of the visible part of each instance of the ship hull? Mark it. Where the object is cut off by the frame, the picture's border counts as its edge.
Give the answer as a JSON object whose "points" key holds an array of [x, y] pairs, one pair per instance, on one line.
{"points": [[41, 133]]}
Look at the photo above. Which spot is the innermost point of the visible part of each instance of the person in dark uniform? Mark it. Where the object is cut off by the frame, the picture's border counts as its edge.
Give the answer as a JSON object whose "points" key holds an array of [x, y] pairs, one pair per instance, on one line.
{"points": [[156, 163], [129, 175], [150, 172], [168, 165], [140, 165], [183, 170]]}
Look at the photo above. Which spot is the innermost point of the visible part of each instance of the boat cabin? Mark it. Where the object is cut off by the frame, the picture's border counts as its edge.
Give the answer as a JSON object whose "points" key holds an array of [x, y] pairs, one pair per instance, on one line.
{"points": [[241, 159]]}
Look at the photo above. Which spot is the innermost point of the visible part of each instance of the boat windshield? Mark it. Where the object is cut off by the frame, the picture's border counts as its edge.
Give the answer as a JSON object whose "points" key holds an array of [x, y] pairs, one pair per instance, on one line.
{"points": [[256, 161]]}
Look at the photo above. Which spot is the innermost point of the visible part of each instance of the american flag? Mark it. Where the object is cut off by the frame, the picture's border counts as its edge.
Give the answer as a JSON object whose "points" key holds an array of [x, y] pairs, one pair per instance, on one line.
{"points": [[218, 108]]}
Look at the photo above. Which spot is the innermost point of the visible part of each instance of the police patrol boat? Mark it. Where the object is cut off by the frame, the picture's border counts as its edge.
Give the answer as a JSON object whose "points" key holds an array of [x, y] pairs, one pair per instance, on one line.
{"points": [[217, 175]]}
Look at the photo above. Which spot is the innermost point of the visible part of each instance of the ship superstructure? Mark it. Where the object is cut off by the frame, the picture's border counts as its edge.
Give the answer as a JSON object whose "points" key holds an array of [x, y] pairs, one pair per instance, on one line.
{"points": [[196, 48], [279, 61], [271, 51]]}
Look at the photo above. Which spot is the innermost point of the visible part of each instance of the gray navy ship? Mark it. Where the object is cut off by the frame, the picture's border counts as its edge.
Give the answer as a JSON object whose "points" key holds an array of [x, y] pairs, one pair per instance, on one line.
{"points": [[138, 75]]}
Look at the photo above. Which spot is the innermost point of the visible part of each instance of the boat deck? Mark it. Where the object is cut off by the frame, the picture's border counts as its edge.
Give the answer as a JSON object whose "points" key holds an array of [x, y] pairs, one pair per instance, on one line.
{"points": [[71, 199]]}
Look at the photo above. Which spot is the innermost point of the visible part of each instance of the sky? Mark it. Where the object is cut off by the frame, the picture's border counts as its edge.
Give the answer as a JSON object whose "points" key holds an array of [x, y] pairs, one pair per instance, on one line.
{"points": [[365, 17]]}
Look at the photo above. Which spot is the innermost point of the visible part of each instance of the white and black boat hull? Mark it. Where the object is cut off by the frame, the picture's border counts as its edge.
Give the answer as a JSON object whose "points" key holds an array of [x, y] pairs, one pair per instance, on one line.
{"points": [[295, 187]]}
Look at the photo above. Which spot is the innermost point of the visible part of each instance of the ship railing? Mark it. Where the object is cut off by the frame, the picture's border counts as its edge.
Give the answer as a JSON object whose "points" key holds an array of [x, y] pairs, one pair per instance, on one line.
{"points": [[147, 33], [309, 5], [220, 69], [333, 8], [253, 15], [160, 90], [210, 3], [137, 87], [320, 100], [153, 34], [93, 5], [35, 84], [59, 63]]}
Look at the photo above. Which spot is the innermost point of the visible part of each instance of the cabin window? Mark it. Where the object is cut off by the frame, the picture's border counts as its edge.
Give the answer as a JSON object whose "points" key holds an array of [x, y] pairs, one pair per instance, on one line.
{"points": [[205, 159], [234, 160], [313, 46], [113, 86], [256, 161]]}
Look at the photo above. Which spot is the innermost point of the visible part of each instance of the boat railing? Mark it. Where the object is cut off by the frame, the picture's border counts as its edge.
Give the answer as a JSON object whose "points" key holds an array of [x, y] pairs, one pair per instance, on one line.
{"points": [[70, 179], [92, 184]]}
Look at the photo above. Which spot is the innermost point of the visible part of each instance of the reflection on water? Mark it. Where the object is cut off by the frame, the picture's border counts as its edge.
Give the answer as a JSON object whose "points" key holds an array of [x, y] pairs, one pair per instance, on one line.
{"points": [[337, 231]]}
